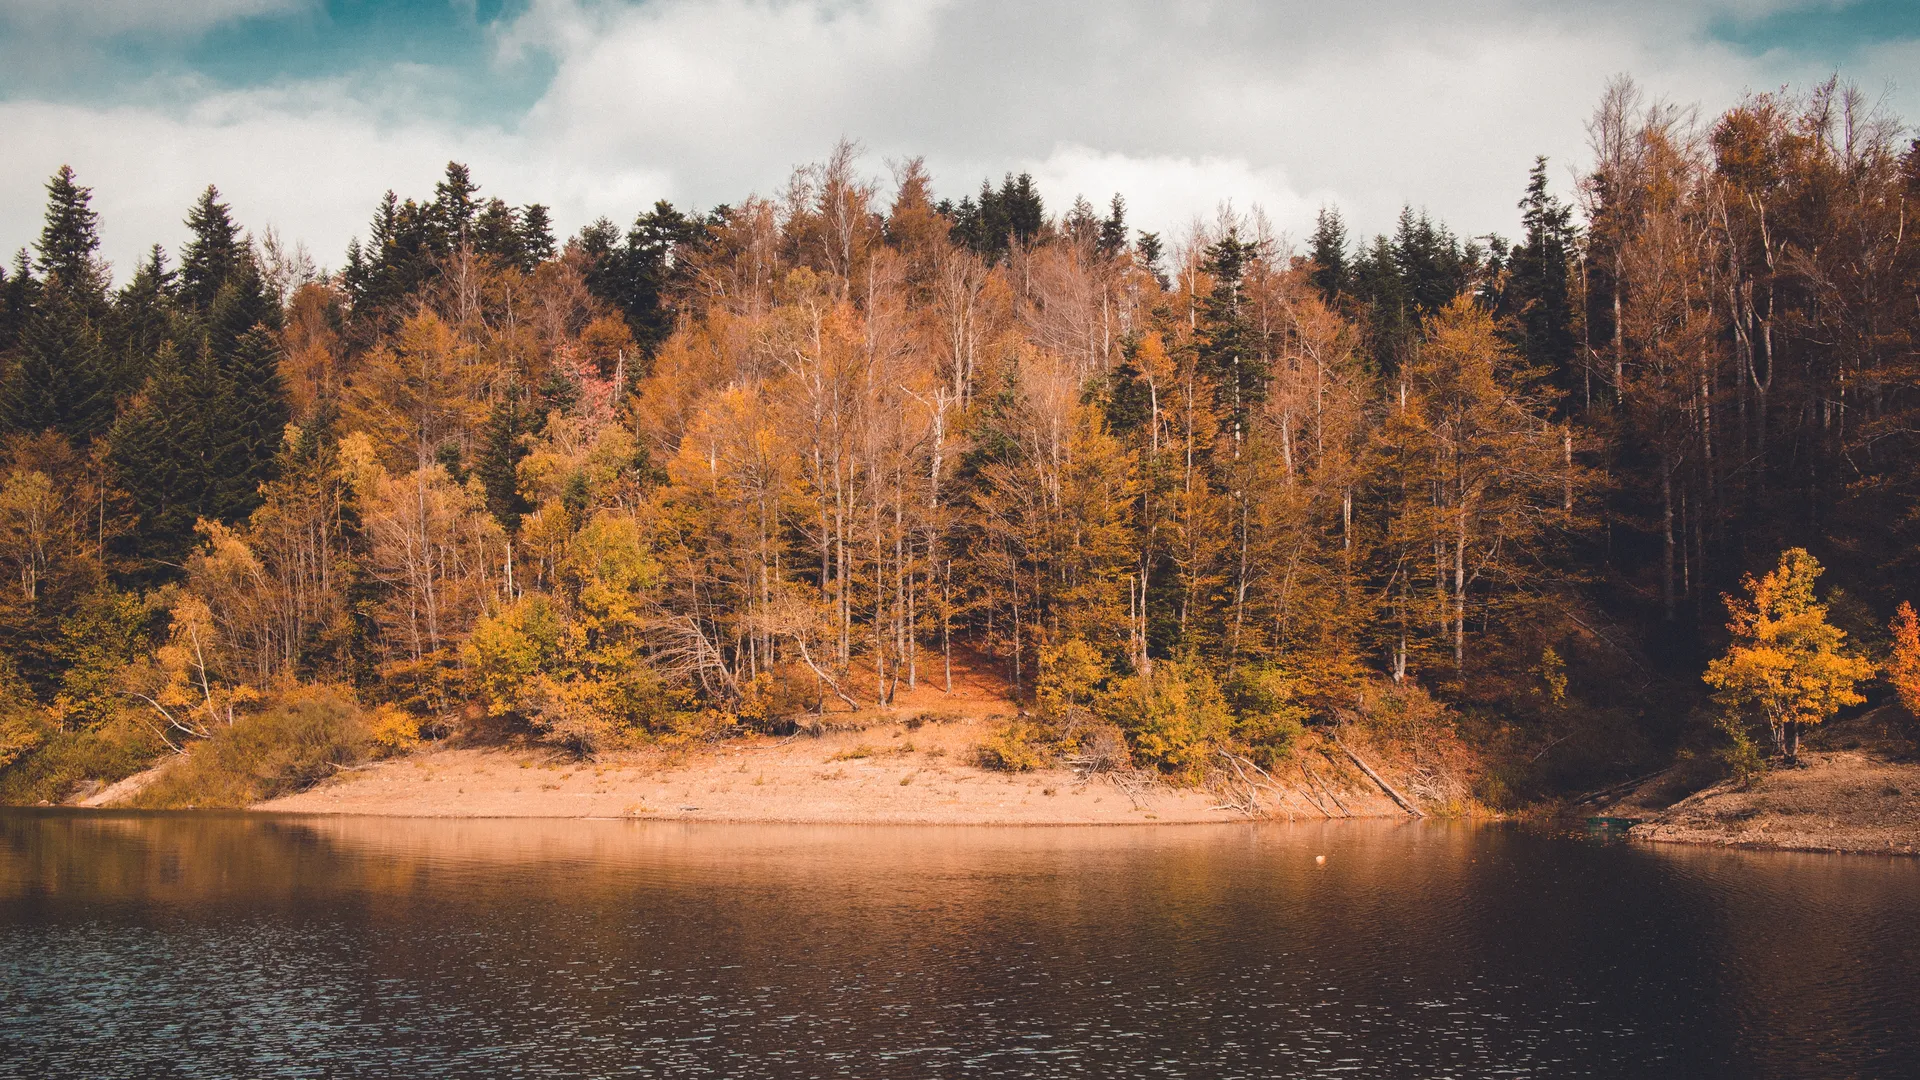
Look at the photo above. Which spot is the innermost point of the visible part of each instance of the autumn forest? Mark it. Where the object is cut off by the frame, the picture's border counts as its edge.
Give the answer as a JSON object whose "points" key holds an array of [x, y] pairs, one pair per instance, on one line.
{"points": [[720, 471]]}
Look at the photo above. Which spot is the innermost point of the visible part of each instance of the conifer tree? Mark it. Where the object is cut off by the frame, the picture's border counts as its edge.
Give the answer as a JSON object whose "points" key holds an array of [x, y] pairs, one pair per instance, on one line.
{"points": [[502, 448], [1539, 292], [1328, 250], [1228, 356], [455, 207], [213, 254], [64, 380], [536, 236], [70, 237], [143, 317]]}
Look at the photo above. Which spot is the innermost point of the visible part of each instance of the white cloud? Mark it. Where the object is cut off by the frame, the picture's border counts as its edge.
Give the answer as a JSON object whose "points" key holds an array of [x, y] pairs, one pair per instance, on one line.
{"points": [[1178, 106], [109, 18]]}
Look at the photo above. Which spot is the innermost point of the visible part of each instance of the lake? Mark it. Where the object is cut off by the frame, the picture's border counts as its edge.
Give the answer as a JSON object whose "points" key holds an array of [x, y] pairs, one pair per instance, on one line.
{"points": [[233, 945]]}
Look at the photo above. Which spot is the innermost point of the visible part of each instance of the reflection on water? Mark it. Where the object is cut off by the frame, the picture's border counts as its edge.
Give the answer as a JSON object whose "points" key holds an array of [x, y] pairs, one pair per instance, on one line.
{"points": [[207, 946]]}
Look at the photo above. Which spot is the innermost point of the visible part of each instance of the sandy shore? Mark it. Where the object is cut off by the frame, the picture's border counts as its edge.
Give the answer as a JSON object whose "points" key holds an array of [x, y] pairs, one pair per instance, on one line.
{"points": [[1839, 801], [889, 773]]}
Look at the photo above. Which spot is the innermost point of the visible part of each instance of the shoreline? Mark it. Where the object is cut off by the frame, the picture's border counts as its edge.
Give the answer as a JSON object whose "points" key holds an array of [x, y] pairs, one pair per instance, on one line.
{"points": [[1848, 802], [889, 774]]}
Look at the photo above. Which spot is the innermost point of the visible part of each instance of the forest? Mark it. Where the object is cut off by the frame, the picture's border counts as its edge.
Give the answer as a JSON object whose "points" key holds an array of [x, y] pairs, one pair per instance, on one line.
{"points": [[714, 472]]}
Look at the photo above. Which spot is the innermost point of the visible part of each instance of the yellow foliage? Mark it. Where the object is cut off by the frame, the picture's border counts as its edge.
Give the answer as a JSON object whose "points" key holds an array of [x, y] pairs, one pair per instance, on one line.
{"points": [[1903, 667], [1785, 662], [393, 730]]}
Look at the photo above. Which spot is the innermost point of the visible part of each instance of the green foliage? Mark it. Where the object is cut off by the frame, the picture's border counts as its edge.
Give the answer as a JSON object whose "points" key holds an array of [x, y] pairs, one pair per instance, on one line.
{"points": [[295, 742], [107, 632], [1269, 718], [64, 379], [58, 760], [1173, 716], [71, 234]]}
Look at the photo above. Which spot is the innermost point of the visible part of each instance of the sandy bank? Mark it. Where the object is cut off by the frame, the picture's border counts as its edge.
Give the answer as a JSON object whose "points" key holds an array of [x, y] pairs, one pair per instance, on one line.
{"points": [[890, 773], [1839, 801]]}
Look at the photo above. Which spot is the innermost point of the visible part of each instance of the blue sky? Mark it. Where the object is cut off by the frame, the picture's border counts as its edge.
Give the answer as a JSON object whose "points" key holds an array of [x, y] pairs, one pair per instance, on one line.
{"points": [[304, 111]]}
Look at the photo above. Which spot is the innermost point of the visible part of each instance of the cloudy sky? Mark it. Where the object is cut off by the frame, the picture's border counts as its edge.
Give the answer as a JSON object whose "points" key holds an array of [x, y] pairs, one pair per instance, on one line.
{"points": [[304, 111]]}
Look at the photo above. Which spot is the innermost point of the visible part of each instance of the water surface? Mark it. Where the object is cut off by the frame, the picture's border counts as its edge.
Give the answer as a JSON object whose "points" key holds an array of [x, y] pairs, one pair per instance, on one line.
{"points": [[197, 945]]}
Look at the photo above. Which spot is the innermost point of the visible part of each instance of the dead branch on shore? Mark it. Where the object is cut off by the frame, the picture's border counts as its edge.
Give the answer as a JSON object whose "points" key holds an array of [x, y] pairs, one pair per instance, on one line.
{"points": [[1376, 778]]}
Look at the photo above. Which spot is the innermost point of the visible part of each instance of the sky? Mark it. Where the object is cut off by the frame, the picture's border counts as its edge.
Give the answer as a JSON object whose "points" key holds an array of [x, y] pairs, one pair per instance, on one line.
{"points": [[304, 111]]}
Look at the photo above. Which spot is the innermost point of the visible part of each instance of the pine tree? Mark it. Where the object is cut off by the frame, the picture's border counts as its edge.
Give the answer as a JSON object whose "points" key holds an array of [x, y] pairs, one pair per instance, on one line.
{"points": [[142, 319], [455, 207], [1539, 291], [64, 380], [536, 236], [1328, 250], [496, 233], [70, 237], [1228, 356], [166, 452], [1113, 231], [213, 254], [18, 291], [502, 447]]}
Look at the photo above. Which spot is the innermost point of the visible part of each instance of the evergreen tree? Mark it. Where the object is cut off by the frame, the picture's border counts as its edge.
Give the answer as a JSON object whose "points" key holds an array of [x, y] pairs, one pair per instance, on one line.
{"points": [[1113, 231], [1148, 249], [213, 254], [167, 451], [637, 275], [70, 237], [18, 291], [455, 207], [64, 379], [1227, 352], [1014, 214], [1328, 250], [496, 233], [1539, 293], [142, 319], [536, 236], [502, 447]]}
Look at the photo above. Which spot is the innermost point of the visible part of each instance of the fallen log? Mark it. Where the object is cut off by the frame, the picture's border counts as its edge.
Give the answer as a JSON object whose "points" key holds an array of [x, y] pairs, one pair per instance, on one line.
{"points": [[1405, 804]]}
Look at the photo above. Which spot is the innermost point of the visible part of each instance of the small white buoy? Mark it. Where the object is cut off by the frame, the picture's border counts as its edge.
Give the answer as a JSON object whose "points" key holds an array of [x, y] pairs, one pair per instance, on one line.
{"points": [[1320, 860]]}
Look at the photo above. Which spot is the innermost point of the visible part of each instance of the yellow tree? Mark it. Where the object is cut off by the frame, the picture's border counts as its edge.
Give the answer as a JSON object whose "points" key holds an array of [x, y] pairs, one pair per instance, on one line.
{"points": [[1903, 669], [1786, 661]]}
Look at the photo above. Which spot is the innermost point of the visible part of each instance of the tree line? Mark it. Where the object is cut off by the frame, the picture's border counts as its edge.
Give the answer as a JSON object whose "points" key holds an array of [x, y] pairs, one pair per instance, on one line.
{"points": [[715, 470]]}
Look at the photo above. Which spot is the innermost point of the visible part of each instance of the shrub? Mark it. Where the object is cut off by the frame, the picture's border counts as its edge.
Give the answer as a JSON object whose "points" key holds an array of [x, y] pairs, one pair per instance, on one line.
{"points": [[297, 741], [1071, 674], [1016, 746], [1172, 716], [393, 731], [1269, 718], [57, 760]]}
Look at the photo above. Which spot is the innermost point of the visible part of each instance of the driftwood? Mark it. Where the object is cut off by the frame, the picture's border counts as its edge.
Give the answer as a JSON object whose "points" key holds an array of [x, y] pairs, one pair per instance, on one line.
{"points": [[1326, 790], [1601, 794], [1405, 804], [1307, 792]]}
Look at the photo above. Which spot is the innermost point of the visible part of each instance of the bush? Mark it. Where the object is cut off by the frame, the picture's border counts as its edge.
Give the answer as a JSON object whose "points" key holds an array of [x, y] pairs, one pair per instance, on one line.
{"points": [[54, 761], [1173, 717], [1269, 718], [393, 731], [297, 741], [1017, 746]]}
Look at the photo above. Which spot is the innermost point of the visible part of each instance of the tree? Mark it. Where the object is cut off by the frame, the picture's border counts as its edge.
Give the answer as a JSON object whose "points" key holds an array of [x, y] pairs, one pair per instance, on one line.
{"points": [[1328, 250], [71, 236], [1787, 662], [212, 255], [1539, 292], [1903, 667], [64, 380]]}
